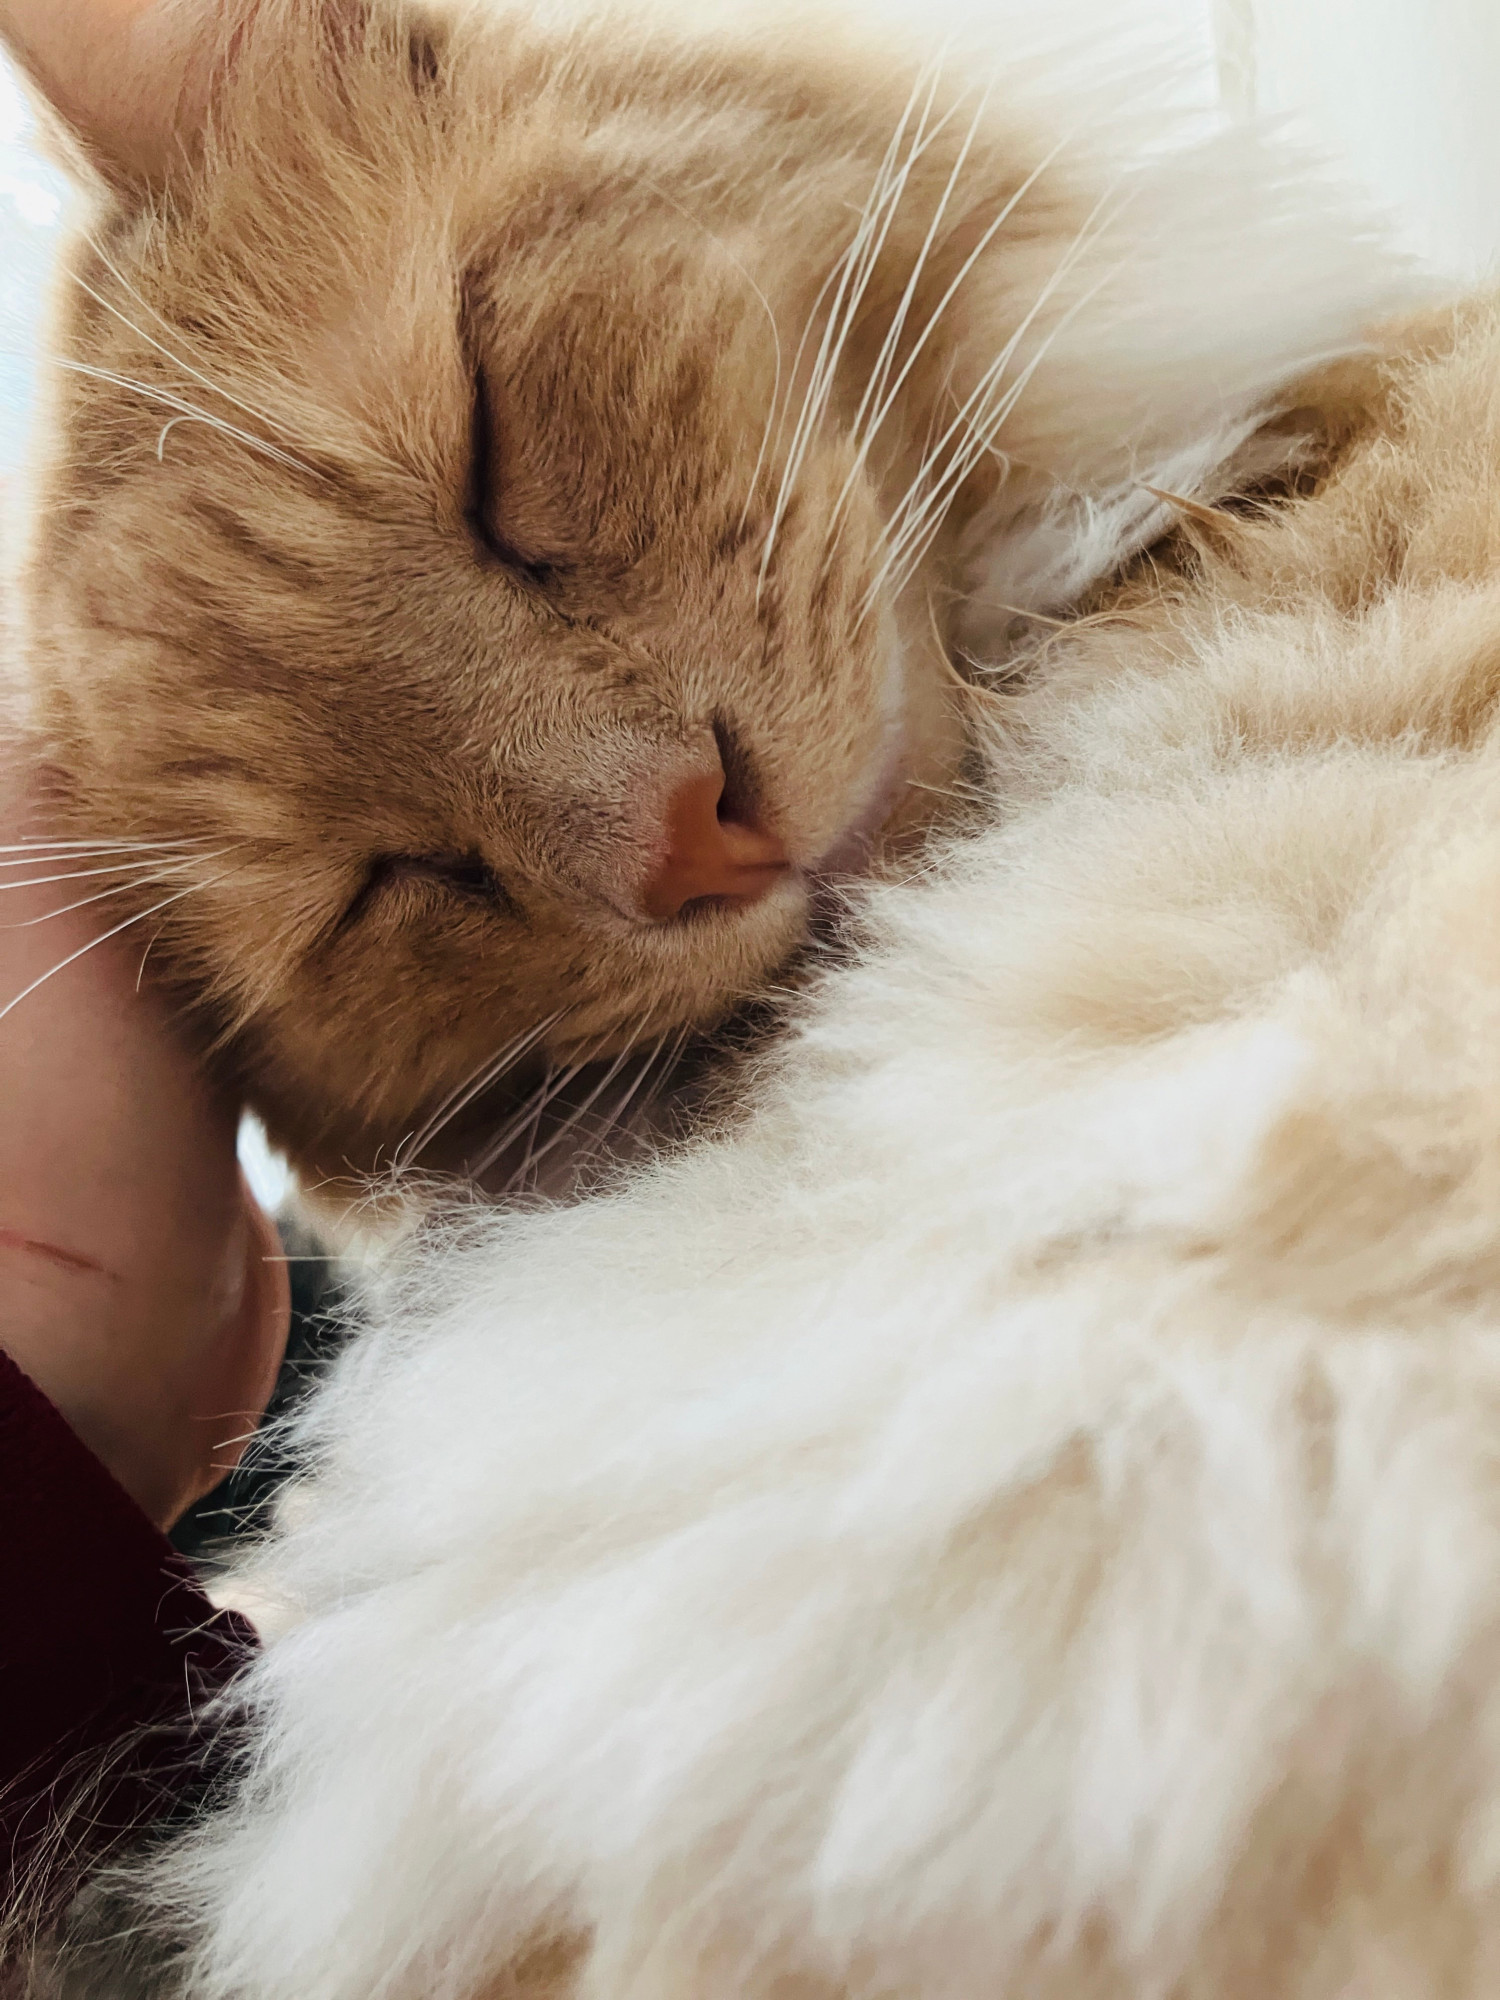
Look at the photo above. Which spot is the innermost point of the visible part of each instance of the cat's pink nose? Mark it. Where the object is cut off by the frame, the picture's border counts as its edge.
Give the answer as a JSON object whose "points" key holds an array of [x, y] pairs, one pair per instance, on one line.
{"points": [[709, 853]]}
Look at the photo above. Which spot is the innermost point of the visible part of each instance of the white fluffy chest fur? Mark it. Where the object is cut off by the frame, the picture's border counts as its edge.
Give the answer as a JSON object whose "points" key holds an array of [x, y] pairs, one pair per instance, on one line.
{"points": [[1019, 1516]]}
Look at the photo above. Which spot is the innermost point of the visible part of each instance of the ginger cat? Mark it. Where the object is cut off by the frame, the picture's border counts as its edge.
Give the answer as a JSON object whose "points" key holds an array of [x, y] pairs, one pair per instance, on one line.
{"points": [[527, 482]]}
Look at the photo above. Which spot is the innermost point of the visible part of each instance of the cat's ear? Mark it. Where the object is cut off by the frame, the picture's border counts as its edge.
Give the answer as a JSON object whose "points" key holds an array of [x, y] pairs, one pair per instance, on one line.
{"points": [[129, 79]]}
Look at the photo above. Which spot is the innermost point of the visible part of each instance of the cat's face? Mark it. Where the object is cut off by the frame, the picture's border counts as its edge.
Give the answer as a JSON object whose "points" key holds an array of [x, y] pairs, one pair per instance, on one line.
{"points": [[406, 560]]}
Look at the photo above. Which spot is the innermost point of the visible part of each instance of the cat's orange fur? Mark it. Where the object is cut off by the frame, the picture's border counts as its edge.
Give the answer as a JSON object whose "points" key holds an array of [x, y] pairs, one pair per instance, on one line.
{"points": [[1018, 1513], [412, 785]]}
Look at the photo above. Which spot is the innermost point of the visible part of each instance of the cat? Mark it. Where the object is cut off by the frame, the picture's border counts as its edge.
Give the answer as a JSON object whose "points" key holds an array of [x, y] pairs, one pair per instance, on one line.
{"points": [[525, 485], [1016, 1511]]}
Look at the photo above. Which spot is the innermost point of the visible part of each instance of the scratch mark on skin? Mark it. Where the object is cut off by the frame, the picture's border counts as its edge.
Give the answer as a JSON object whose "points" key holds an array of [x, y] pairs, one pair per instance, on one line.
{"points": [[53, 1253]]}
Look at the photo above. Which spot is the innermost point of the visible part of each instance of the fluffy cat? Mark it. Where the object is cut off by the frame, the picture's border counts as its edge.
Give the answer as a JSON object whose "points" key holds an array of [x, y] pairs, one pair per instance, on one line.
{"points": [[1018, 1512], [522, 479]]}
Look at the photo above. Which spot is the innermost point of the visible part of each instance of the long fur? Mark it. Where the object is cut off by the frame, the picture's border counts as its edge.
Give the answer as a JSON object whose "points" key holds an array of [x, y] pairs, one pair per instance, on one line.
{"points": [[1018, 1512]]}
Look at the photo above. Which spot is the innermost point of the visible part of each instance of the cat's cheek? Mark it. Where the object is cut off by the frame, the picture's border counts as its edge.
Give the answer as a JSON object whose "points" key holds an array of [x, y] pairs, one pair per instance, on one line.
{"points": [[927, 731]]}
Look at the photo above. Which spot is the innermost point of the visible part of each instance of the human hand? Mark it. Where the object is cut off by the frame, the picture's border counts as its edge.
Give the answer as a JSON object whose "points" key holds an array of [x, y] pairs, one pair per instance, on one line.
{"points": [[143, 1287]]}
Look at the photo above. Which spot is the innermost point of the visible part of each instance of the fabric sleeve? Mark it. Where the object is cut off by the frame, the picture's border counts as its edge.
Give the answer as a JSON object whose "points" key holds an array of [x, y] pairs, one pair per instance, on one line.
{"points": [[109, 1650]]}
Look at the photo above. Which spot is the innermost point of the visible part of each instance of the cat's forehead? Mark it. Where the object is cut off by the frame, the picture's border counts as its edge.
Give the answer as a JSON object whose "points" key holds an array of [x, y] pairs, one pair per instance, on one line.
{"points": [[356, 280], [343, 166], [491, 124]]}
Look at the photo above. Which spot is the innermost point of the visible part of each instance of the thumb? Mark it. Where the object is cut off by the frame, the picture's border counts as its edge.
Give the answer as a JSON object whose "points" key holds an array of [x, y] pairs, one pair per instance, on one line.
{"points": [[242, 1362]]}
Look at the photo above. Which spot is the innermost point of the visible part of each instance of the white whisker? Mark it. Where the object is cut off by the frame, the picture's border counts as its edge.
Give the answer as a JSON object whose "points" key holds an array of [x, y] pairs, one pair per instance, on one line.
{"points": [[172, 401], [578, 1113], [165, 874], [853, 271], [885, 359], [991, 231], [479, 1079], [49, 850], [917, 538], [671, 1050], [250, 410], [104, 937], [166, 430], [549, 1095], [919, 515], [85, 874]]}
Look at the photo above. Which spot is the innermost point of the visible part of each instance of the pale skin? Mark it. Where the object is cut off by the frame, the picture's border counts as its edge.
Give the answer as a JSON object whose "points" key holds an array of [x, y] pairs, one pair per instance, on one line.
{"points": [[143, 1288]]}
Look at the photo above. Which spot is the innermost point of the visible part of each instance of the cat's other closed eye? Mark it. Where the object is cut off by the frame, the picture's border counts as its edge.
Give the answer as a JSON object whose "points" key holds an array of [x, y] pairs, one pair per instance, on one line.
{"points": [[484, 498], [428, 880]]}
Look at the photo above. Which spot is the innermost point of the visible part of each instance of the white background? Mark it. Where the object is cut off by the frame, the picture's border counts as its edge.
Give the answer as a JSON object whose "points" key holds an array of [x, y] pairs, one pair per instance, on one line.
{"points": [[1404, 91]]}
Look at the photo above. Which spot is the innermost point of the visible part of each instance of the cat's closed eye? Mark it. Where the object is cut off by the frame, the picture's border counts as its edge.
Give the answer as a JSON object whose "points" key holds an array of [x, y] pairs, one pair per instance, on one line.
{"points": [[495, 538], [467, 878]]}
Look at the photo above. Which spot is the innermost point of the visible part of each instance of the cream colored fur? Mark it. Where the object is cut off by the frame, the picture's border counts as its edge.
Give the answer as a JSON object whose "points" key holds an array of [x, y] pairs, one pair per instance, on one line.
{"points": [[1019, 1513]]}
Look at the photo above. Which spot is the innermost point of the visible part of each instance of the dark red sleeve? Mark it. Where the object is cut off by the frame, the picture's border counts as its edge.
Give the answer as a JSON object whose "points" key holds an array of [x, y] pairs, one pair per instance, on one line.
{"points": [[108, 1648]]}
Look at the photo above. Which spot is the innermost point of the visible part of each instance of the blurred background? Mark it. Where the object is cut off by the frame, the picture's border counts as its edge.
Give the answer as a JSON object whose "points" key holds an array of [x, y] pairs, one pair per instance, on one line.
{"points": [[32, 199]]}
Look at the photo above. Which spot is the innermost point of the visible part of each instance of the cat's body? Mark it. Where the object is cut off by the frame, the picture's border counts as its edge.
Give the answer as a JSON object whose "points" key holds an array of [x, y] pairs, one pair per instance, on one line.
{"points": [[1019, 1514], [485, 436]]}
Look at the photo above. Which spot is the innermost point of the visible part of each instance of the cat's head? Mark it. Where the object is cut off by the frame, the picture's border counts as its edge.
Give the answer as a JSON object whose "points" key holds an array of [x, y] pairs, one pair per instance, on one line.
{"points": [[406, 560], [518, 484]]}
